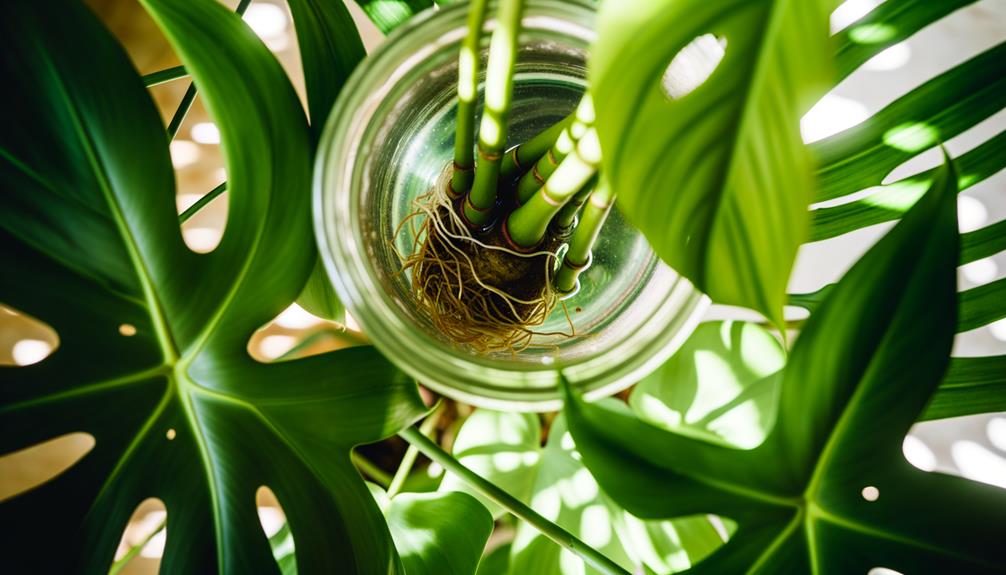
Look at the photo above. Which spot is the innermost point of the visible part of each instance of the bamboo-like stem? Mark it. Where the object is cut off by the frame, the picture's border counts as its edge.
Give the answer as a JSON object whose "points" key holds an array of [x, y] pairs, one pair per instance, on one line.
{"points": [[479, 203], [564, 538], [164, 76], [409, 459], [201, 202], [566, 218], [380, 476], [527, 154], [578, 257], [526, 226], [468, 83], [532, 180], [190, 94]]}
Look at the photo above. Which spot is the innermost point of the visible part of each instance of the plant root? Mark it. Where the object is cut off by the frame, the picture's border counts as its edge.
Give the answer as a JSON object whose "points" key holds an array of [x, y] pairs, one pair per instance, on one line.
{"points": [[475, 291]]}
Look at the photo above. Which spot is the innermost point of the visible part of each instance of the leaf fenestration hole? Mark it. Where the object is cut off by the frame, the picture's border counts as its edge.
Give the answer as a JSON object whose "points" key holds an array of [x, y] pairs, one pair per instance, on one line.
{"points": [[883, 571], [24, 340], [127, 330], [870, 493], [273, 521], [142, 543], [693, 65], [30, 467], [171, 434]]}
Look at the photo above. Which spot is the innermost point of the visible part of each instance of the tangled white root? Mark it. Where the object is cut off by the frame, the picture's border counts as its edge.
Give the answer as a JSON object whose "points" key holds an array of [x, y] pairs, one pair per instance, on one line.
{"points": [[478, 294]]}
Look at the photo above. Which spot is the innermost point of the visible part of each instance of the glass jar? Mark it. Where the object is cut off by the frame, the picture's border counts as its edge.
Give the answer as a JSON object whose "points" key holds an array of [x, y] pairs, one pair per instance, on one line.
{"points": [[388, 141]]}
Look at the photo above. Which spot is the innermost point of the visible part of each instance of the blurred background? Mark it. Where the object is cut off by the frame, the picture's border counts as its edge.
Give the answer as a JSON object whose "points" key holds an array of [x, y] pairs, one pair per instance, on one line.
{"points": [[974, 447]]}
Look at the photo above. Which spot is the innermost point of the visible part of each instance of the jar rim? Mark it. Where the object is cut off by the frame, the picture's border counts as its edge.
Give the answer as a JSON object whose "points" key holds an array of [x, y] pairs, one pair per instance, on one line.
{"points": [[498, 384]]}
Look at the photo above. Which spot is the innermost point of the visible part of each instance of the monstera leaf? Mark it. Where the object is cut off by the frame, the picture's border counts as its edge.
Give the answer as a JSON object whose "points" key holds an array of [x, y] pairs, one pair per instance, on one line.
{"points": [[828, 491], [152, 357], [712, 170]]}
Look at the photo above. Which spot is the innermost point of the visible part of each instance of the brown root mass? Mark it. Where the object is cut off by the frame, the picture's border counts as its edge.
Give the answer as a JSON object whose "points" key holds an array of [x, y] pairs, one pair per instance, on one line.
{"points": [[476, 291]]}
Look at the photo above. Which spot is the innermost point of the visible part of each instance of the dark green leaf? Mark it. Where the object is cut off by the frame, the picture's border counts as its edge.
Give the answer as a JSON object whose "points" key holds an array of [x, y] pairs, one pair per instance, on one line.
{"points": [[330, 48], [972, 385], [390, 14], [863, 155], [691, 171], [983, 243], [982, 305], [178, 409], [858, 377]]}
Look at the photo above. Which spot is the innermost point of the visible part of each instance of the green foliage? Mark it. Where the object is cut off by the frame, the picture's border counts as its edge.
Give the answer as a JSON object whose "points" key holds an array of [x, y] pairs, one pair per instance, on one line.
{"points": [[505, 449], [859, 375], [692, 171], [390, 14], [436, 533], [718, 386], [179, 410]]}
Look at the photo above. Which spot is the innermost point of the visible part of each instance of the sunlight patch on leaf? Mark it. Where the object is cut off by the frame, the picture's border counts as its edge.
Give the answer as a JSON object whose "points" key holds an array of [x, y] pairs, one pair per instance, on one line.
{"points": [[872, 33], [912, 136]]}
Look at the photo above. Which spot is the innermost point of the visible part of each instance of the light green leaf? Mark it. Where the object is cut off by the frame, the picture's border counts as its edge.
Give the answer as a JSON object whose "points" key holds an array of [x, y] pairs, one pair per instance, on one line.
{"points": [[496, 562], [717, 386], [565, 493], [439, 533], [693, 171], [390, 14], [152, 358], [828, 491], [503, 447]]}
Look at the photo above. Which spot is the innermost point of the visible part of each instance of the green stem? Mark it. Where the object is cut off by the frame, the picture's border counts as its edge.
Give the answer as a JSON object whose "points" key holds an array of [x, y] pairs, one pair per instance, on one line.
{"points": [[201, 202], [479, 203], [164, 76], [527, 225], [577, 258], [135, 549], [183, 109], [533, 179], [380, 476], [428, 426], [564, 538], [527, 154], [566, 218], [190, 93], [468, 72]]}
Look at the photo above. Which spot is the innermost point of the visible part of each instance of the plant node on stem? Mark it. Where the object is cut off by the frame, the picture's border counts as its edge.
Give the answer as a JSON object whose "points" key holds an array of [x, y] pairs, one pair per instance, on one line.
{"points": [[480, 201]]}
